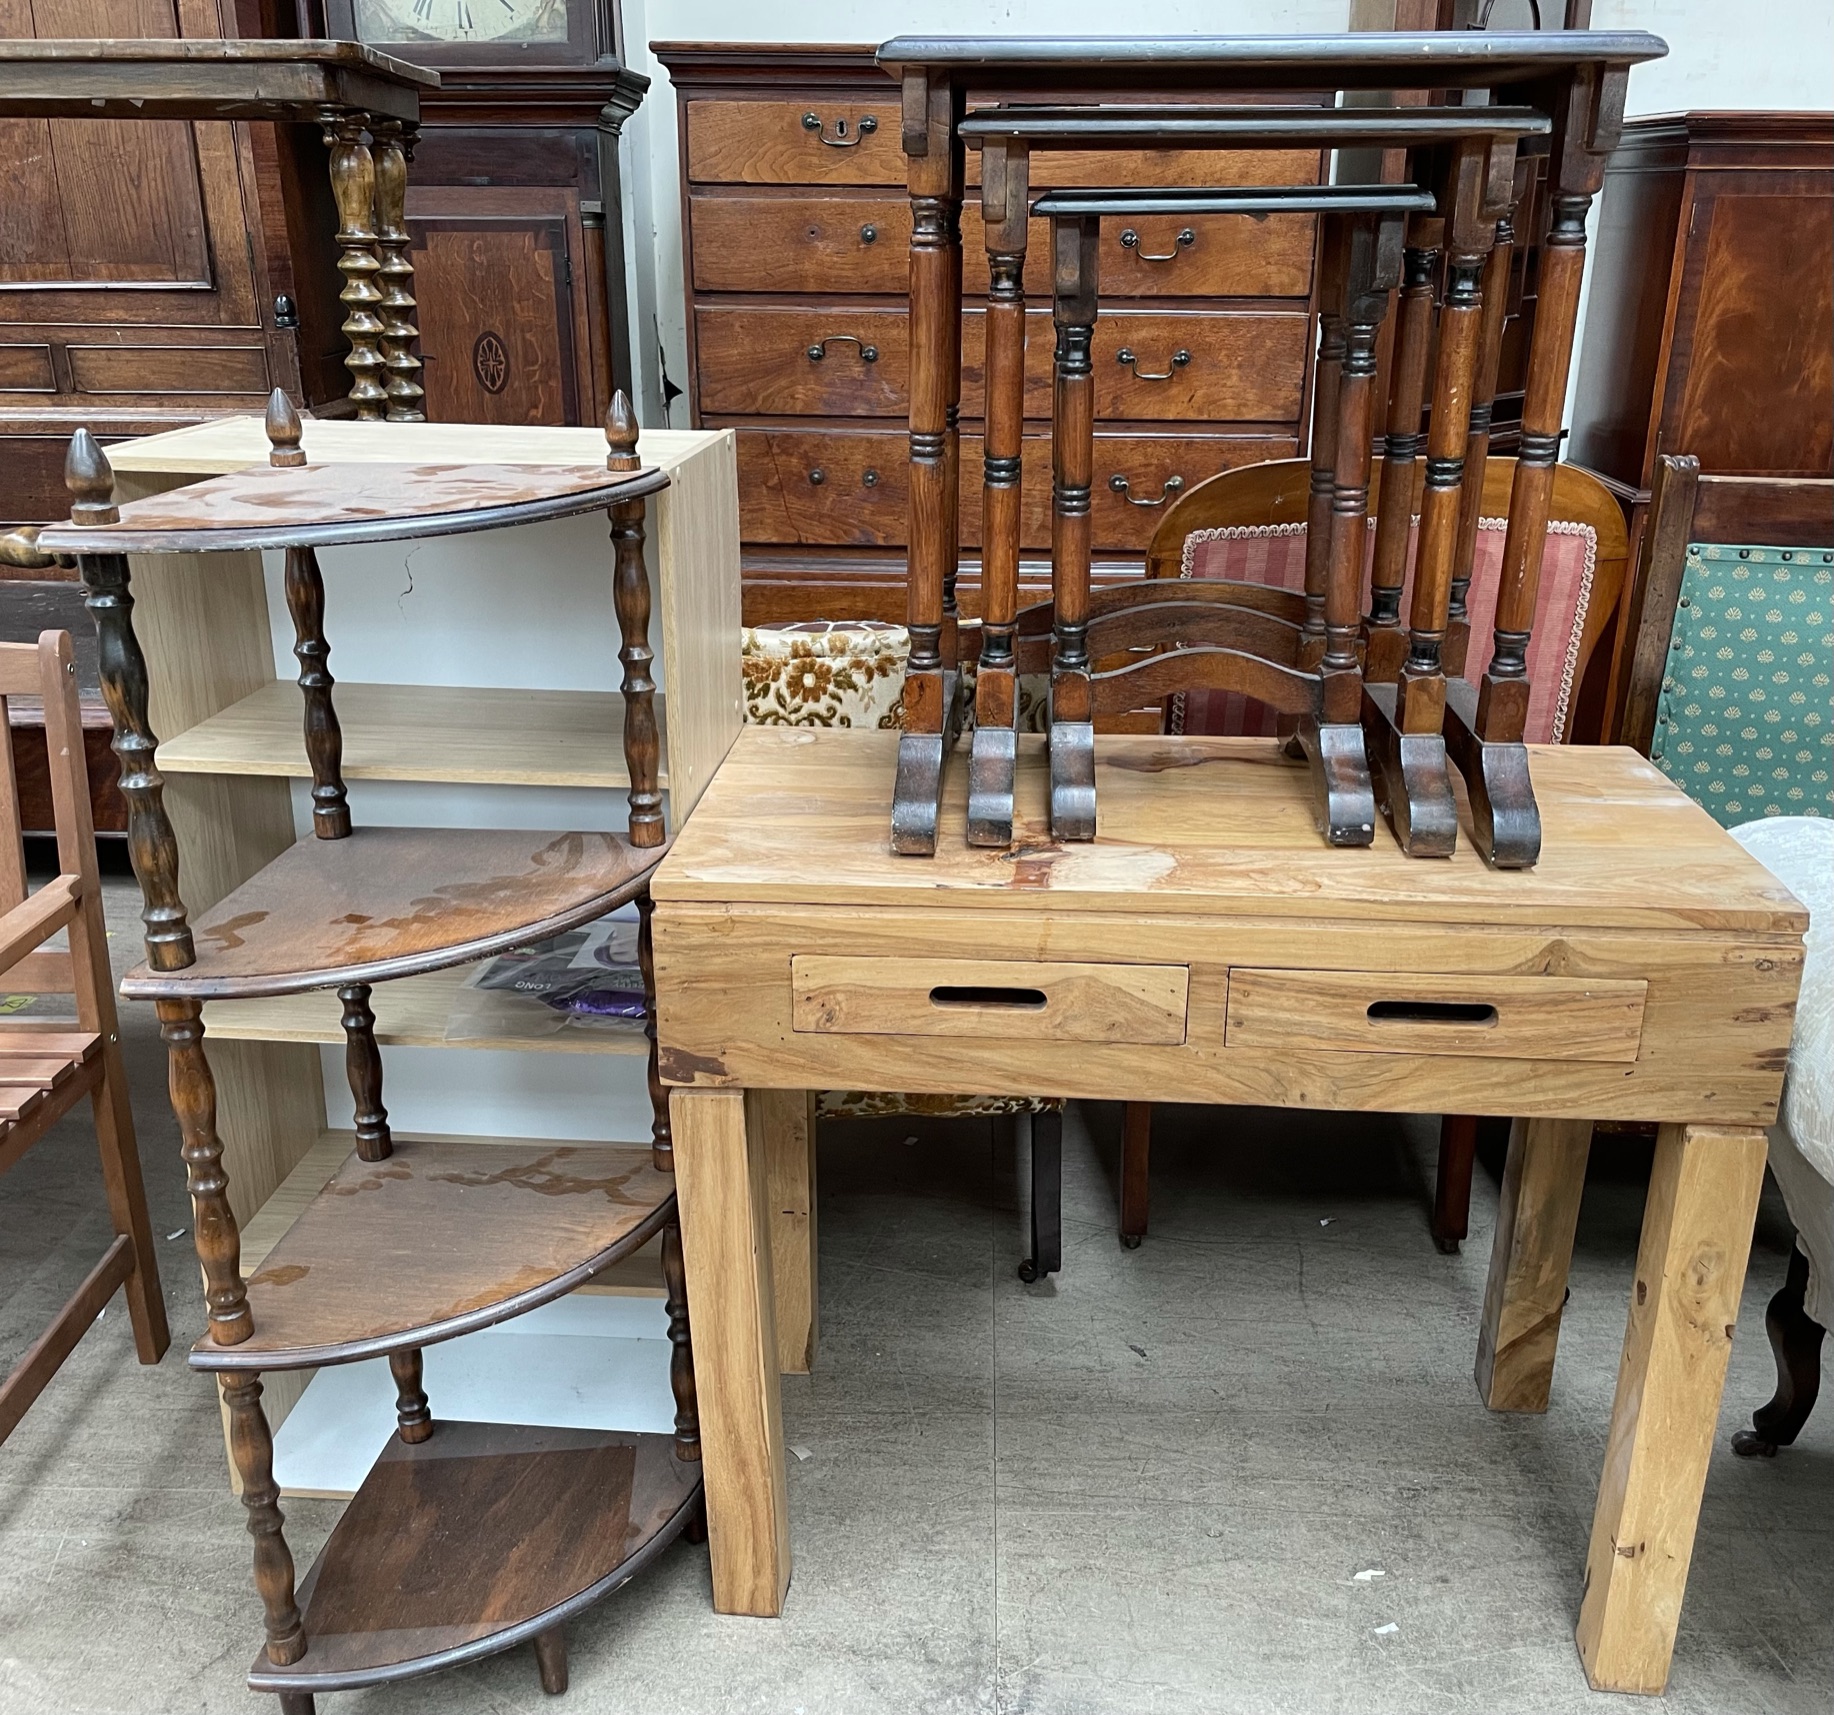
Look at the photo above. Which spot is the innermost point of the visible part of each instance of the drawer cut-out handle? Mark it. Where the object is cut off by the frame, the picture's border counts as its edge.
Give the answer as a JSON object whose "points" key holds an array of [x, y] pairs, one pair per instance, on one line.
{"points": [[975, 994], [1467, 1012]]}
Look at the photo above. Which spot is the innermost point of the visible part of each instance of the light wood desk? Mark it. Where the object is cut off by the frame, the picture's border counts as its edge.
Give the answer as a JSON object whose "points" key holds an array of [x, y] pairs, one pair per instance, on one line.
{"points": [[1208, 947]]}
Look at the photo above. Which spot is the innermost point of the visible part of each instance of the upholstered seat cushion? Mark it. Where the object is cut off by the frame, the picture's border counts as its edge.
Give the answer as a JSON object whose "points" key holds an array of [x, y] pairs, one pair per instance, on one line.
{"points": [[1274, 555], [832, 673], [1799, 852], [1743, 723]]}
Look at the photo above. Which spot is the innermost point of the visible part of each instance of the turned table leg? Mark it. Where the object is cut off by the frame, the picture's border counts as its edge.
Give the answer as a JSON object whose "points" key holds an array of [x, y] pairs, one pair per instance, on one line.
{"points": [[413, 1418], [393, 149], [722, 1184], [1703, 1199], [251, 1445], [935, 171], [1537, 1212], [353, 184]]}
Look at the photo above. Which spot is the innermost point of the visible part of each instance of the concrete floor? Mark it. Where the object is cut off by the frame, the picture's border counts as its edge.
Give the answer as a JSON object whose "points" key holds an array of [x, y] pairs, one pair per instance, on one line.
{"points": [[1145, 1486]]}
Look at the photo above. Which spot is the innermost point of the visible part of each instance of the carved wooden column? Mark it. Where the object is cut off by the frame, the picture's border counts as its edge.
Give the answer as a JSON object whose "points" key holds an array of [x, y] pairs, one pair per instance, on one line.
{"points": [[363, 1066], [1006, 213], [630, 589], [1484, 727], [413, 1420], [933, 153], [1383, 643], [251, 1446], [353, 184], [1075, 241], [393, 149]]}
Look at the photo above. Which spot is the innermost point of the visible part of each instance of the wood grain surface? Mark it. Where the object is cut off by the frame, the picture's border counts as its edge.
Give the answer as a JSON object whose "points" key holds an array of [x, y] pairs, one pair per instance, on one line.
{"points": [[1394, 1012], [476, 1539], [983, 998], [443, 1237], [390, 902]]}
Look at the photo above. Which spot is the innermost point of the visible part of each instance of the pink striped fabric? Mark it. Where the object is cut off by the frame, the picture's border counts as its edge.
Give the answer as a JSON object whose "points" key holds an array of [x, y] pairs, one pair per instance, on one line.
{"points": [[1274, 555]]}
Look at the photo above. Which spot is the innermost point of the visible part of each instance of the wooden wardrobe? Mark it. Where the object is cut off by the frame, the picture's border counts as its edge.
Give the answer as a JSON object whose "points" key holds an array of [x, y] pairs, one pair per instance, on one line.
{"points": [[797, 233]]}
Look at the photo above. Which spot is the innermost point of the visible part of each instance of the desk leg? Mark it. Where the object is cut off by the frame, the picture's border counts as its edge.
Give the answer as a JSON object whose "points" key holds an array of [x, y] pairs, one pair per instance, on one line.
{"points": [[1703, 1199], [786, 1120], [722, 1182], [1537, 1212]]}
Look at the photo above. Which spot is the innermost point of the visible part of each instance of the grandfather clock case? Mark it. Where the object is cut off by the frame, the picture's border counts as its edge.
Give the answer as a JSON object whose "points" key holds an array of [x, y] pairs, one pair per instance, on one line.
{"points": [[513, 199]]}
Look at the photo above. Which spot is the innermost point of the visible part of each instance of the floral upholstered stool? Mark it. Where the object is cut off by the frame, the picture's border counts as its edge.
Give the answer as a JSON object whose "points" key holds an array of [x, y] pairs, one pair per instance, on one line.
{"points": [[850, 673]]}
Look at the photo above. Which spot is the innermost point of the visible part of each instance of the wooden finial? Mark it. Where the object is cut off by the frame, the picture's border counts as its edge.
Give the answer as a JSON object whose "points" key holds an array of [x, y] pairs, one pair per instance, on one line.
{"points": [[621, 434], [283, 431], [91, 481]]}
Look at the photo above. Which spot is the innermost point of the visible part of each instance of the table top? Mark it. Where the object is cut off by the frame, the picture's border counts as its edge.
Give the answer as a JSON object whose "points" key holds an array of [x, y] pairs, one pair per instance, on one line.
{"points": [[1371, 59], [204, 78], [1219, 827], [324, 504]]}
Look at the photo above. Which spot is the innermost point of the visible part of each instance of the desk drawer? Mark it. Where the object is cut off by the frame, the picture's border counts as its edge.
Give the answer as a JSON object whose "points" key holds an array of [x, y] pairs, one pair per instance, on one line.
{"points": [[988, 998], [1377, 1012]]}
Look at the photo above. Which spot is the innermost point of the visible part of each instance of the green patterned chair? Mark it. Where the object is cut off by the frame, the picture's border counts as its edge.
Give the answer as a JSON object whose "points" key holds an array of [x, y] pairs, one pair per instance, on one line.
{"points": [[1729, 687], [1730, 692], [850, 673]]}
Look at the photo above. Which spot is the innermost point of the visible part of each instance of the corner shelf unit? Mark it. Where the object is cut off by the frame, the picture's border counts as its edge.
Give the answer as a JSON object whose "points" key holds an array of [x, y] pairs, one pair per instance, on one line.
{"points": [[388, 1247], [228, 716]]}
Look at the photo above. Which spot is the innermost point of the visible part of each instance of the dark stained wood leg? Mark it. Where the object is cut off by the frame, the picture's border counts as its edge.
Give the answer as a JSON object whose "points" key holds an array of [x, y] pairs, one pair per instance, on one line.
{"points": [[681, 1357], [695, 1530], [1384, 645], [1795, 1342], [1072, 715], [1484, 731], [1005, 172], [1136, 1159], [353, 184], [324, 737], [251, 1446], [363, 1066], [298, 1703], [930, 682], [1452, 1188], [551, 1659], [393, 149], [151, 843], [1047, 1195], [413, 1418], [213, 1224], [662, 1142], [1483, 409], [1344, 796], [630, 591]]}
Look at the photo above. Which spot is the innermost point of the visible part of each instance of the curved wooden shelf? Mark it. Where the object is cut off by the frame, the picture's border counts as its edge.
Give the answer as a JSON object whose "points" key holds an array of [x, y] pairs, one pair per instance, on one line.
{"points": [[477, 1539], [397, 902], [442, 1238], [325, 505]]}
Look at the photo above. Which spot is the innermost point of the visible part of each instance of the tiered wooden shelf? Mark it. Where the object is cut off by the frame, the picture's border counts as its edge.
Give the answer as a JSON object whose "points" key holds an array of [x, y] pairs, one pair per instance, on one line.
{"points": [[464, 1537], [387, 902], [456, 734]]}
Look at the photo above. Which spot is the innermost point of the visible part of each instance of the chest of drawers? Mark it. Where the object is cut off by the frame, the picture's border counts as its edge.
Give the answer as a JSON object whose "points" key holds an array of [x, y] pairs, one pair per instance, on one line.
{"points": [[797, 234]]}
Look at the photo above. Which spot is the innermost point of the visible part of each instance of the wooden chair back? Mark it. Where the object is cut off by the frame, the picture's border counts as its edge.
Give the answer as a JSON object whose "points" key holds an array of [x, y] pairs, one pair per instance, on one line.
{"points": [[1274, 498], [47, 1066], [1767, 676]]}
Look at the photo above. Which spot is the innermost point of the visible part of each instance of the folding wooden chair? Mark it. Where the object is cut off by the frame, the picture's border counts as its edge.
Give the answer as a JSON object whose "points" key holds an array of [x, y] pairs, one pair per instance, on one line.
{"points": [[46, 1067]]}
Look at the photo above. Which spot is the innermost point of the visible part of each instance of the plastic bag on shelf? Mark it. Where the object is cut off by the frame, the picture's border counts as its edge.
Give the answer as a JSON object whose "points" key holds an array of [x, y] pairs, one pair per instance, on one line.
{"points": [[588, 978]]}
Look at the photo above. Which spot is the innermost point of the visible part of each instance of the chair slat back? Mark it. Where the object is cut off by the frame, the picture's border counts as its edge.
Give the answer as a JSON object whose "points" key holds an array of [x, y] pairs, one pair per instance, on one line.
{"points": [[19, 677]]}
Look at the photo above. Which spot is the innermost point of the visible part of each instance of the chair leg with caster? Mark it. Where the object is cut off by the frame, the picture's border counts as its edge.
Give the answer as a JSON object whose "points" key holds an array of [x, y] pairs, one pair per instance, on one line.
{"points": [[1795, 1338], [1047, 1195]]}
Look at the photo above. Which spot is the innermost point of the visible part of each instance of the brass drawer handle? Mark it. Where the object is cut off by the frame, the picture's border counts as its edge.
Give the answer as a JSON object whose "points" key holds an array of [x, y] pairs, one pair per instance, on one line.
{"points": [[1460, 1012], [868, 353], [840, 140], [1131, 240], [1174, 486], [1179, 359]]}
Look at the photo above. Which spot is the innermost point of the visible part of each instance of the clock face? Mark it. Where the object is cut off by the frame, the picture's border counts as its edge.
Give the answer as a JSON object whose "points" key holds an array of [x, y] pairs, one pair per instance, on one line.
{"points": [[461, 20]]}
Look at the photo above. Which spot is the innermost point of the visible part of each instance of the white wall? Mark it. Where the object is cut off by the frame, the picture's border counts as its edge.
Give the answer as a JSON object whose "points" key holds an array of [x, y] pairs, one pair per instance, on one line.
{"points": [[1776, 54]]}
